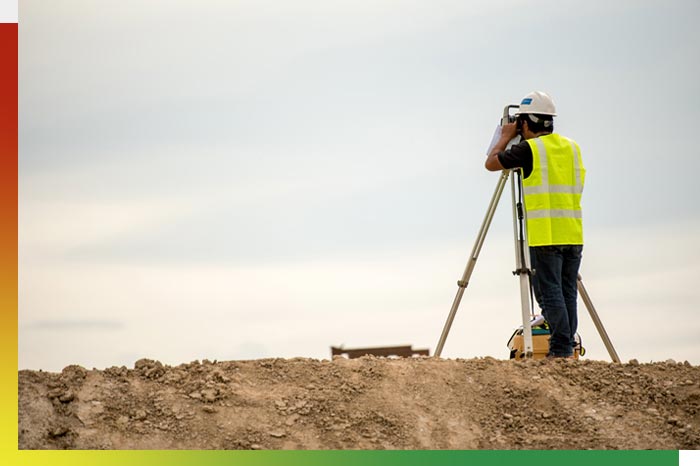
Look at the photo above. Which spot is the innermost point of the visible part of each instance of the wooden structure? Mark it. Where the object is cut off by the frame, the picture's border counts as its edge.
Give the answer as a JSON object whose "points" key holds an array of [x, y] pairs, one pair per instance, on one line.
{"points": [[400, 351]]}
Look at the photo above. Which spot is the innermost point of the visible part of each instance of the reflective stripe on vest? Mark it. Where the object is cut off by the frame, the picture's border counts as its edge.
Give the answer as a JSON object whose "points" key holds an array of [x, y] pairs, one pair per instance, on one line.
{"points": [[553, 192]]}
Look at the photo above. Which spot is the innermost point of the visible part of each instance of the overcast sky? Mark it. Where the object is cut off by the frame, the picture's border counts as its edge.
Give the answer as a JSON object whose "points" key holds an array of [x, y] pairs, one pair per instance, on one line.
{"points": [[247, 179]]}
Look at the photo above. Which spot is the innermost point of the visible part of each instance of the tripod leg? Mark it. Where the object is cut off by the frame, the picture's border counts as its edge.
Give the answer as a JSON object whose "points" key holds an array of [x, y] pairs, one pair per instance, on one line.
{"points": [[522, 265], [596, 320], [472, 259]]}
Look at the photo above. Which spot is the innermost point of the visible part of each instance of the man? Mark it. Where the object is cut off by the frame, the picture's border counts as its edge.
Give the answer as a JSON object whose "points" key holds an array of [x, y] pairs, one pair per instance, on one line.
{"points": [[553, 178]]}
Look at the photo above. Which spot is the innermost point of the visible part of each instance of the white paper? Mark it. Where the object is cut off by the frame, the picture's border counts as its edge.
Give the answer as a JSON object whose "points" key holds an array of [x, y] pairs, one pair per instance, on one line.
{"points": [[497, 136], [494, 139]]}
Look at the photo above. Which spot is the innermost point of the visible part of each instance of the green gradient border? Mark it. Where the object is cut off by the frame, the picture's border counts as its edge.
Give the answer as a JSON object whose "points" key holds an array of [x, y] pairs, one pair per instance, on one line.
{"points": [[341, 458], [10, 455]]}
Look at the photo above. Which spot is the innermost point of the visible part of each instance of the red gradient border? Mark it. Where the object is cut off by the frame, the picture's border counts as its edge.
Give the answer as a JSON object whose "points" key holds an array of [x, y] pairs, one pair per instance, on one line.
{"points": [[8, 233]]}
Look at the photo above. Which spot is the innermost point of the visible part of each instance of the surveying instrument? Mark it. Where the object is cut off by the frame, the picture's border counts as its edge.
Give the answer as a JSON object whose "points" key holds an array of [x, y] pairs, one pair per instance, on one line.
{"points": [[522, 259]]}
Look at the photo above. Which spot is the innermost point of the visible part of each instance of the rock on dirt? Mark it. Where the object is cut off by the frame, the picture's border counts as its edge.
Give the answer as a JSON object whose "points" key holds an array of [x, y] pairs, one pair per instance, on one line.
{"points": [[366, 403]]}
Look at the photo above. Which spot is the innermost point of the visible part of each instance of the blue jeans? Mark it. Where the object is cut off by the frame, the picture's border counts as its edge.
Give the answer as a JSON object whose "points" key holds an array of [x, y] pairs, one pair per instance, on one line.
{"points": [[555, 287]]}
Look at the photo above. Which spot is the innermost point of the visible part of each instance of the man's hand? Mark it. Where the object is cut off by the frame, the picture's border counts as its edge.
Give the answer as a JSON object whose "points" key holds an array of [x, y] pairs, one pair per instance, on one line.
{"points": [[509, 131]]}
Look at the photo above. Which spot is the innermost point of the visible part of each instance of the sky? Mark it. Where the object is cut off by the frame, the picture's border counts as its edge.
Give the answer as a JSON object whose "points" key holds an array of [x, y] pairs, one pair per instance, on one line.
{"points": [[249, 179]]}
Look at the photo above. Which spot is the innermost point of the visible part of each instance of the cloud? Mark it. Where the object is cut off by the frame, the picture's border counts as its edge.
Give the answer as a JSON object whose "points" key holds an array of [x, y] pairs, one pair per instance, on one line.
{"points": [[49, 229], [96, 325], [402, 296]]}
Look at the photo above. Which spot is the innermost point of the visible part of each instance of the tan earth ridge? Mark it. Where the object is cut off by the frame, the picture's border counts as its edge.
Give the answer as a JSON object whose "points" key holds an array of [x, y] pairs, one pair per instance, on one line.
{"points": [[365, 403]]}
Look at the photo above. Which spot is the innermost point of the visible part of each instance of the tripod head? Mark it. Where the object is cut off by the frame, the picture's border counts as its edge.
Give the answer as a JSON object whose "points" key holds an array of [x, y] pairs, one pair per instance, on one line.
{"points": [[507, 117]]}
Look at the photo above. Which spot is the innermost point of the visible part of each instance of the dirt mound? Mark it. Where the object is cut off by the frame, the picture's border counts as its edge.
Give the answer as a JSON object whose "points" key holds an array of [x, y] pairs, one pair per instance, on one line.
{"points": [[366, 403]]}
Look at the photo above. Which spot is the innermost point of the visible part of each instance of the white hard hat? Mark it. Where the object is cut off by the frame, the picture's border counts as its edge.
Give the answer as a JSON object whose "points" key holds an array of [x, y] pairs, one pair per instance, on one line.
{"points": [[537, 102]]}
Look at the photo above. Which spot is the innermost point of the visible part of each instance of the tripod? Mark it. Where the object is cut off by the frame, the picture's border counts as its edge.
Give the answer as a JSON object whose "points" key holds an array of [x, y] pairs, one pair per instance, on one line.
{"points": [[522, 262]]}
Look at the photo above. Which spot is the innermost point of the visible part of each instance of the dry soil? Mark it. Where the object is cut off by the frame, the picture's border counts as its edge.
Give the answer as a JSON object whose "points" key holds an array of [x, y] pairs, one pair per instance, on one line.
{"points": [[366, 403]]}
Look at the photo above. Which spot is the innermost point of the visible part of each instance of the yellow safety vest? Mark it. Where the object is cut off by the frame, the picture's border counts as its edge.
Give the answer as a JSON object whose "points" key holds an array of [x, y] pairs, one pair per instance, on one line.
{"points": [[553, 192]]}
